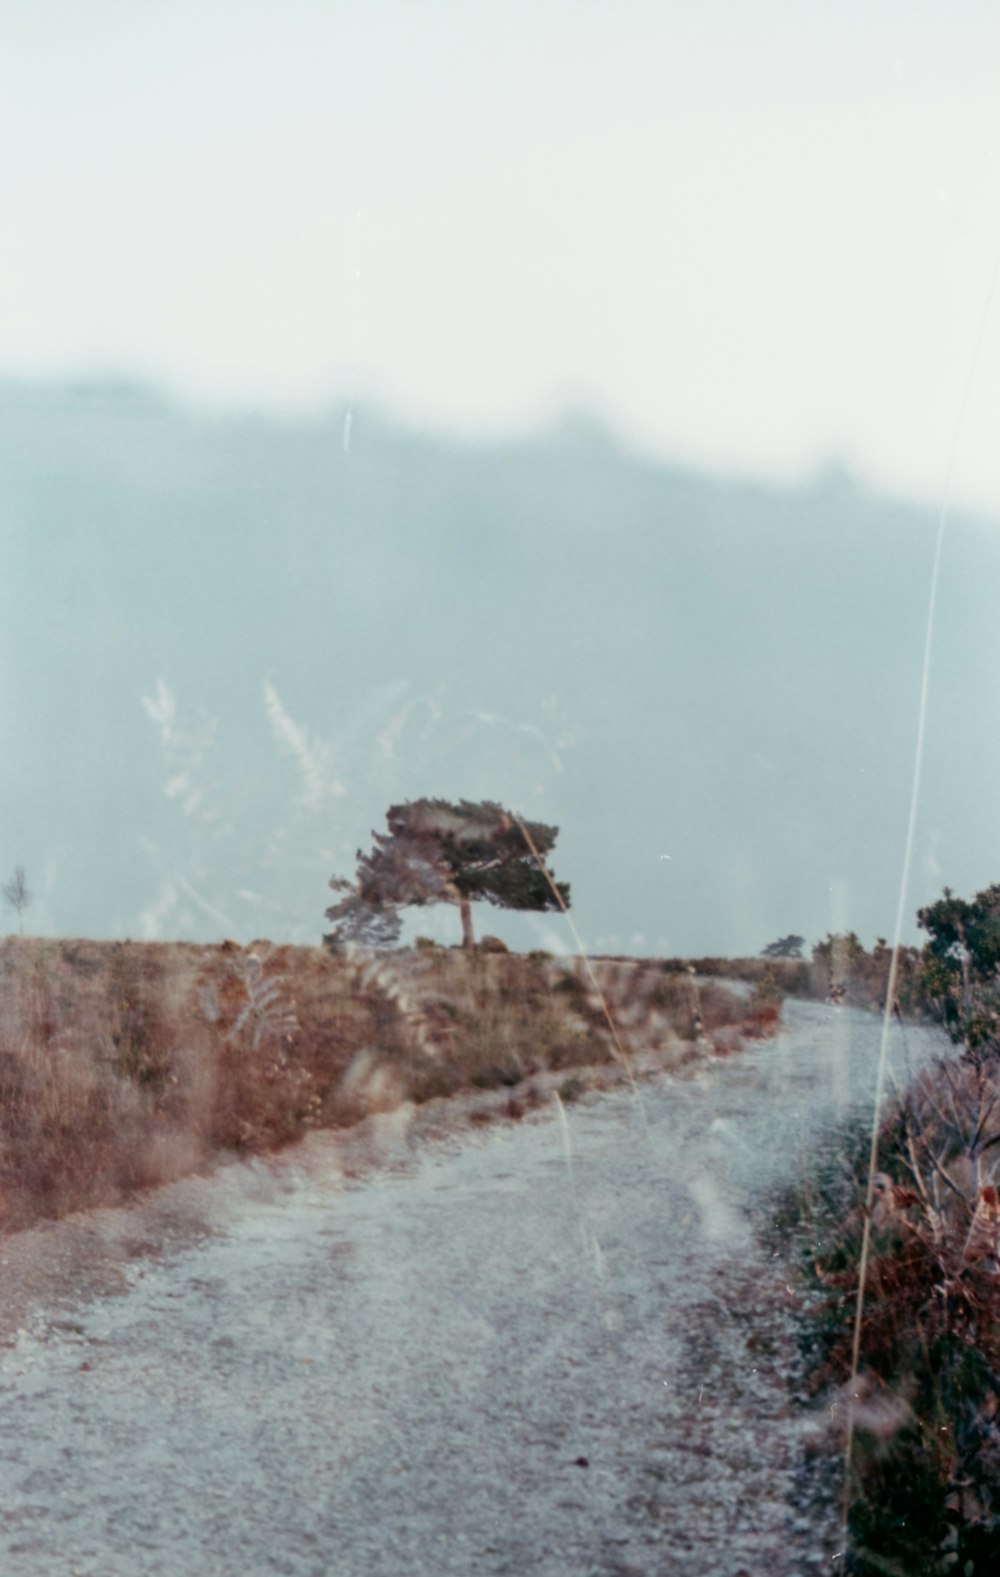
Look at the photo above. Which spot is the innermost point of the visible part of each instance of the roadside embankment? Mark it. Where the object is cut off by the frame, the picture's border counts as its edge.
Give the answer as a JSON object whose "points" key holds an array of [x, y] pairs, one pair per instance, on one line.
{"points": [[915, 1387], [125, 1065]]}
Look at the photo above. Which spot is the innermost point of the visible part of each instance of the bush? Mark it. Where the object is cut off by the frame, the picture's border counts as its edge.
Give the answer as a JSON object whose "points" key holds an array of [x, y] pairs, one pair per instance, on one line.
{"points": [[926, 1400]]}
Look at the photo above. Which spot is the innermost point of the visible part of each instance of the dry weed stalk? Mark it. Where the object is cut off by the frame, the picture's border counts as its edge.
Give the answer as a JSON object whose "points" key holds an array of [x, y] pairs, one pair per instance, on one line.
{"points": [[928, 1337]]}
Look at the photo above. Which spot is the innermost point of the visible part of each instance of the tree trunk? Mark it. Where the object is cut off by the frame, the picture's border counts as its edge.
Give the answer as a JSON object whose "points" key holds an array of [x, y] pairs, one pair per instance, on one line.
{"points": [[465, 909]]}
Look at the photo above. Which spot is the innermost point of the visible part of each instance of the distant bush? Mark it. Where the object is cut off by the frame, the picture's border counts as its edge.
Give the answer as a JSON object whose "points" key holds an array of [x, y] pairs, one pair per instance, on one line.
{"points": [[767, 989], [785, 947], [841, 964]]}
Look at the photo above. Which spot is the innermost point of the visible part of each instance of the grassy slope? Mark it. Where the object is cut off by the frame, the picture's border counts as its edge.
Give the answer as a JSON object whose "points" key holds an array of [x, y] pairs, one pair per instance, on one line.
{"points": [[124, 1065]]}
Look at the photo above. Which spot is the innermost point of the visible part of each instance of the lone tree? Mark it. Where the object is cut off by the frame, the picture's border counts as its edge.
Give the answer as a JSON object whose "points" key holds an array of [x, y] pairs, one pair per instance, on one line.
{"points": [[437, 852], [17, 895], [784, 947]]}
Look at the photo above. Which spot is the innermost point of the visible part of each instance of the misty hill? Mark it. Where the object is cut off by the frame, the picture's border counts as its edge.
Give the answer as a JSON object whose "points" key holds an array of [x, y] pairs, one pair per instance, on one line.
{"points": [[228, 645]]}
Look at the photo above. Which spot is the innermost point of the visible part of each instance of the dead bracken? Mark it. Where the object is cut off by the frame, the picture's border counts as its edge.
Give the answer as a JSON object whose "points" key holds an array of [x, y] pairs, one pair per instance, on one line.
{"points": [[124, 1065]]}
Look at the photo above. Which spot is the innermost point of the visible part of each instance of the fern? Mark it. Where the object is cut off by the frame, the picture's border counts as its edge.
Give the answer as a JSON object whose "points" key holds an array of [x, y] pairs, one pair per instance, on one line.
{"points": [[266, 1011]]}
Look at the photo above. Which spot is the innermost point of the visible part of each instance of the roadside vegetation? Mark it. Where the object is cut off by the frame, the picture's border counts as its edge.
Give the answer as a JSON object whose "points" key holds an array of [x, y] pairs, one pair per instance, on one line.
{"points": [[839, 967], [124, 1065], [918, 1401]]}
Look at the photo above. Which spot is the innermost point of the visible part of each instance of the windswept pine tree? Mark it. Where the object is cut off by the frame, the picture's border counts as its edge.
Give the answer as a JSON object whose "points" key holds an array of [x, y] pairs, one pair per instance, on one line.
{"points": [[439, 852], [785, 947]]}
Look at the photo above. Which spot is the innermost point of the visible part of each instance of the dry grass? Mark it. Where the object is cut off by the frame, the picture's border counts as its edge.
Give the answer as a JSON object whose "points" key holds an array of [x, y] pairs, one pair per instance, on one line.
{"points": [[126, 1065], [924, 1409]]}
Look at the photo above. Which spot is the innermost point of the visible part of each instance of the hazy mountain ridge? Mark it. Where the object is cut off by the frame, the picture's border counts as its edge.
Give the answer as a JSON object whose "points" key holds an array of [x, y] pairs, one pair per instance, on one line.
{"points": [[661, 662]]}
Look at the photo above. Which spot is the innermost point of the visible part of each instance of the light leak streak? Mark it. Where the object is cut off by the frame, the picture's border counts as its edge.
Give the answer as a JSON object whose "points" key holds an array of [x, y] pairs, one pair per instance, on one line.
{"points": [[918, 764], [568, 1151]]}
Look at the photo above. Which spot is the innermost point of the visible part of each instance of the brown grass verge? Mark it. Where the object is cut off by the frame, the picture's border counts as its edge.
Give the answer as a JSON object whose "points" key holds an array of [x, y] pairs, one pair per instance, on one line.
{"points": [[126, 1065]]}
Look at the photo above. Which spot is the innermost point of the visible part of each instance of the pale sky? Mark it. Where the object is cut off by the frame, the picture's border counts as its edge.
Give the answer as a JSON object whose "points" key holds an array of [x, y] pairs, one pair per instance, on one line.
{"points": [[754, 235]]}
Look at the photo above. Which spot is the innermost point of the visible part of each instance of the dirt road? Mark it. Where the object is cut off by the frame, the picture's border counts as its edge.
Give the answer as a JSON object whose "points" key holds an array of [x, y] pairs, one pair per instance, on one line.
{"points": [[556, 1347]]}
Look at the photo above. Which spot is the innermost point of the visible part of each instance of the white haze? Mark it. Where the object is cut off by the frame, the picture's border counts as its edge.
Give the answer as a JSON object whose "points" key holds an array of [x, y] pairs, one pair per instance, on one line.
{"points": [[748, 236]]}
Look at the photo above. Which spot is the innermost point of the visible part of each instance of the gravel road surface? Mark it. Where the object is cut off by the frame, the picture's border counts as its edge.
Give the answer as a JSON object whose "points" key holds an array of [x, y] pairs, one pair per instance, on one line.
{"points": [[547, 1348]]}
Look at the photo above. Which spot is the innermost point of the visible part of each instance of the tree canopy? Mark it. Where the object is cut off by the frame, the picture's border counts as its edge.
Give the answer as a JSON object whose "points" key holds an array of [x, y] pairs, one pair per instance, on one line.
{"points": [[785, 947], [439, 852], [961, 966]]}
